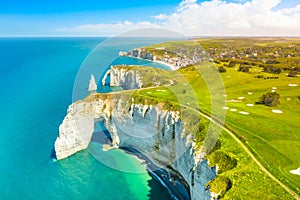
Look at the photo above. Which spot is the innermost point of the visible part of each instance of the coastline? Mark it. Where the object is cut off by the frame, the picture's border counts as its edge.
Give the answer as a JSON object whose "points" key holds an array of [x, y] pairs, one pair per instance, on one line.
{"points": [[167, 64], [172, 67], [172, 182]]}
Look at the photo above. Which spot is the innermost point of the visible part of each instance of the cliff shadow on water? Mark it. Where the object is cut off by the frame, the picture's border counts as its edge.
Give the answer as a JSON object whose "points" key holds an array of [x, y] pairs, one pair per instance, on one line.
{"points": [[171, 180], [168, 178]]}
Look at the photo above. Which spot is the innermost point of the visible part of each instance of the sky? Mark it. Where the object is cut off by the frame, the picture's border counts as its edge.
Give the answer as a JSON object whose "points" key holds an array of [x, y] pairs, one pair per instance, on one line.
{"points": [[187, 17]]}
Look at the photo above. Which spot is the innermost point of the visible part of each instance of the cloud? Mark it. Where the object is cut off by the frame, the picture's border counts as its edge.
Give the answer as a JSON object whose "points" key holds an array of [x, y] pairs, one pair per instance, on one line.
{"points": [[107, 29], [160, 17], [217, 18], [289, 11]]}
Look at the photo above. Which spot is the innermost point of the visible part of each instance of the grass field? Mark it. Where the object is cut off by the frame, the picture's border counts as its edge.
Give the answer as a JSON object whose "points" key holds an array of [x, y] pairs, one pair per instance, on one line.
{"points": [[274, 138]]}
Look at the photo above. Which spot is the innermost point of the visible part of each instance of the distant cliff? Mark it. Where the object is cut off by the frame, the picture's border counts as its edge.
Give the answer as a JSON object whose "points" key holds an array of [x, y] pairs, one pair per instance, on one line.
{"points": [[124, 77], [138, 53], [177, 56]]}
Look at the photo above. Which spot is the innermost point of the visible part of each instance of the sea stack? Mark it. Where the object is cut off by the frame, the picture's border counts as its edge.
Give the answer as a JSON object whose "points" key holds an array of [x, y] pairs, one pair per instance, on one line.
{"points": [[93, 85]]}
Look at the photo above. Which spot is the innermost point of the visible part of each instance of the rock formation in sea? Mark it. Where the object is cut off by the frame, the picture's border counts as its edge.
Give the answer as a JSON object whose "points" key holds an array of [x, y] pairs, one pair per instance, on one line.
{"points": [[92, 85]]}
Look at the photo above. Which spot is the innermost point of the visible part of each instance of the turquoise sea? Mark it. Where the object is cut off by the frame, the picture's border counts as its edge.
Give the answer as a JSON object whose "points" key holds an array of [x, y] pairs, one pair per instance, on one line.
{"points": [[37, 76]]}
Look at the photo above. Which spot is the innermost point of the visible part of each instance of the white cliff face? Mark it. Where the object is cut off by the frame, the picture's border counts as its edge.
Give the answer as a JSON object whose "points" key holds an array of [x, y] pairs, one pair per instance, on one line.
{"points": [[156, 133], [159, 134], [125, 78], [105, 77], [75, 131]]}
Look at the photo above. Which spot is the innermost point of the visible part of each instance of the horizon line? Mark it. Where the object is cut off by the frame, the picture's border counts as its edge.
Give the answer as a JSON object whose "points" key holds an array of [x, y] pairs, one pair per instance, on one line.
{"points": [[191, 37]]}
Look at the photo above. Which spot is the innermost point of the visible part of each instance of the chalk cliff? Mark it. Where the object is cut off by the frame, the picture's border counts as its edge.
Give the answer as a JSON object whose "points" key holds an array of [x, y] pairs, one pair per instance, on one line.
{"points": [[124, 77], [157, 133]]}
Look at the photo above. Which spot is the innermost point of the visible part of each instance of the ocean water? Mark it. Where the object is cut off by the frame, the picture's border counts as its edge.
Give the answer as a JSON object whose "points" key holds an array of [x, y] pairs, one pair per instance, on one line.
{"points": [[37, 78]]}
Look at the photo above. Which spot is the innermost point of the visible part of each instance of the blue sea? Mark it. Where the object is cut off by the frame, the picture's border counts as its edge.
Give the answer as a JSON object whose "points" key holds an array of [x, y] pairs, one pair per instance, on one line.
{"points": [[39, 79]]}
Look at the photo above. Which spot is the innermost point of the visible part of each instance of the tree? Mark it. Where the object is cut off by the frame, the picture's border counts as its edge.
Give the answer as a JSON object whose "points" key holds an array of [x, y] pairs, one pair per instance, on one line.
{"points": [[231, 64], [292, 73], [244, 68], [272, 69], [270, 99]]}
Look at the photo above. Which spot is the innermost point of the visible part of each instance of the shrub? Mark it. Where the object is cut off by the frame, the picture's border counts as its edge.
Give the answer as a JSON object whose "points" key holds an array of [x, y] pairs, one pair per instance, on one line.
{"points": [[292, 73], [244, 68], [272, 69], [222, 70], [231, 64], [222, 160], [259, 76], [297, 69], [220, 185]]}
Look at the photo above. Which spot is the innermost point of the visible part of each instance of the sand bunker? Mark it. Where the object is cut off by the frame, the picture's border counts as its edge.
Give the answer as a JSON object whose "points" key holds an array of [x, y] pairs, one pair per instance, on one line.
{"points": [[161, 90], [233, 110], [233, 101], [296, 171], [250, 93], [277, 111], [241, 98], [250, 104], [225, 108], [244, 113], [293, 85], [274, 88]]}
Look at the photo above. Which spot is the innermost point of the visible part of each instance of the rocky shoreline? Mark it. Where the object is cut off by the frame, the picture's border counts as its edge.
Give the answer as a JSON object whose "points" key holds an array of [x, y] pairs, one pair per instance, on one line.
{"points": [[172, 182]]}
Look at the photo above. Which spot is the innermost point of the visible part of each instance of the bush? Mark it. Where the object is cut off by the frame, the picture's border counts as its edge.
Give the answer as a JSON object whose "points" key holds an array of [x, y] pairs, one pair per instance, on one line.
{"points": [[244, 68], [292, 73], [231, 64], [222, 70], [259, 76], [297, 69], [272, 69], [269, 99], [220, 185], [222, 160], [272, 62]]}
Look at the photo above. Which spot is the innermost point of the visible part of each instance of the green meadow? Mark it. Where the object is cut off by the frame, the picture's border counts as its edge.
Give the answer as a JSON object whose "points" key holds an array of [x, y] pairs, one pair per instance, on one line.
{"points": [[271, 134]]}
